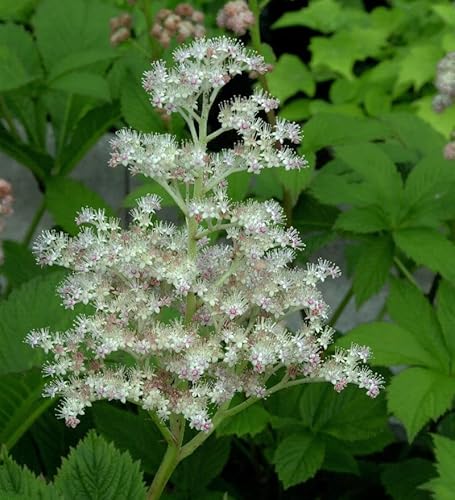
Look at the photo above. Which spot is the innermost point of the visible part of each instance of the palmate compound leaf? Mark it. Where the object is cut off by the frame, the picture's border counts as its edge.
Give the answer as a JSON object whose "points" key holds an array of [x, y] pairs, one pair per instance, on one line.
{"points": [[298, 458], [96, 470], [251, 421], [445, 311], [19, 483], [290, 76], [443, 486]]}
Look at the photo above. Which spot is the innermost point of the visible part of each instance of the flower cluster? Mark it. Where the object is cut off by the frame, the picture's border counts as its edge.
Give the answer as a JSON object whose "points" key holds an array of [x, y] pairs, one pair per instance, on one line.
{"points": [[6, 202], [236, 17], [182, 23], [182, 321]]}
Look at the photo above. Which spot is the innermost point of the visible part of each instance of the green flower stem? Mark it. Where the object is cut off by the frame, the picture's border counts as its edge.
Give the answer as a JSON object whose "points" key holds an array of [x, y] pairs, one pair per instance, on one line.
{"points": [[35, 221], [342, 306], [167, 434], [9, 119], [167, 467], [406, 273]]}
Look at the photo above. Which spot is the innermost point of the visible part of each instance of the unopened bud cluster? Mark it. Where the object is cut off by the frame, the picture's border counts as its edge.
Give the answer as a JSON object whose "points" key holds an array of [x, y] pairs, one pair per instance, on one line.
{"points": [[182, 23], [6, 202], [120, 28], [236, 17], [196, 319]]}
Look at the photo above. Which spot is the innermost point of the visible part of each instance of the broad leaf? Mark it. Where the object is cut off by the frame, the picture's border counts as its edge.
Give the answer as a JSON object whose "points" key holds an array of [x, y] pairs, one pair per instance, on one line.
{"points": [[21, 403], [82, 83], [251, 421], [418, 395], [96, 470], [19, 264], [372, 268], [428, 247], [18, 482], [66, 197], [298, 458], [290, 76], [362, 220], [443, 486], [446, 316], [402, 479], [337, 457]]}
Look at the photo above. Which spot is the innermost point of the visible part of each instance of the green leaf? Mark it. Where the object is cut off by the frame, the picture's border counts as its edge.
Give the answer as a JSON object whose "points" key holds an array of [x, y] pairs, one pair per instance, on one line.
{"points": [[348, 416], [408, 307], [298, 458], [238, 185], [129, 432], [372, 268], [328, 129], [337, 457], [63, 28], [251, 421], [13, 75], [204, 465], [418, 395], [21, 403], [428, 247], [79, 60], [417, 67], [376, 168], [440, 122], [96, 470], [87, 133], [19, 264], [289, 76], [390, 345], [82, 83], [33, 305], [339, 52], [18, 482], [136, 107], [444, 485], [320, 15], [377, 101], [294, 181], [16, 10], [445, 12], [64, 199], [362, 220], [402, 479], [446, 314]]}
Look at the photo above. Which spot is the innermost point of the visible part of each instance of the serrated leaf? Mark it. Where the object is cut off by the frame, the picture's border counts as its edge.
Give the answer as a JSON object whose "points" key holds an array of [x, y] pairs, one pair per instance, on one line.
{"points": [[298, 458], [390, 345], [350, 415], [96, 470], [338, 458], [339, 52], [86, 133], [446, 314], [372, 268], [64, 199], [428, 247], [82, 83], [408, 307], [18, 482], [33, 305], [199, 469], [289, 76], [321, 15], [418, 395], [444, 485], [251, 421], [63, 28], [21, 403], [129, 432], [418, 66], [440, 122], [371, 445], [402, 479], [329, 129], [362, 220]]}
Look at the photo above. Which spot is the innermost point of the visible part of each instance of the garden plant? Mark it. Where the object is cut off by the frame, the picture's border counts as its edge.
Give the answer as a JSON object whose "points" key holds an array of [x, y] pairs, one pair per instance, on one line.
{"points": [[192, 341]]}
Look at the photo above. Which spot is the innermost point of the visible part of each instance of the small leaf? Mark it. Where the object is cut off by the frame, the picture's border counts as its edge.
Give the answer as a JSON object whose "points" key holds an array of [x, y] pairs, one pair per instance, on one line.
{"points": [[251, 421], [289, 76], [428, 247], [18, 482], [64, 199], [298, 458], [418, 395], [95, 470]]}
